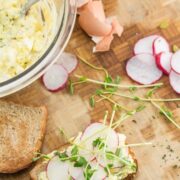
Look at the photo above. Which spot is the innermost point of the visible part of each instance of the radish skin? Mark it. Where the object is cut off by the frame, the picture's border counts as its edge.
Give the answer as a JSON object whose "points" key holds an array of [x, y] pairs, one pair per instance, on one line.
{"points": [[160, 44], [163, 61], [175, 62], [55, 78]]}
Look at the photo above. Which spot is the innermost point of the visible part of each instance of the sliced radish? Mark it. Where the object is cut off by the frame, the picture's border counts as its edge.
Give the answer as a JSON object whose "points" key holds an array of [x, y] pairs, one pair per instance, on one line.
{"points": [[100, 173], [175, 62], [97, 130], [142, 69], [175, 81], [163, 61], [160, 45], [76, 172], [68, 61], [57, 169], [55, 78], [145, 45]]}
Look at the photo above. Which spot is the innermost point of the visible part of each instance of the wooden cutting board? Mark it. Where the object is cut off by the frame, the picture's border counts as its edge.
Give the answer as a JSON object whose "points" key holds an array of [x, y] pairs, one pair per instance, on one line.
{"points": [[73, 113]]}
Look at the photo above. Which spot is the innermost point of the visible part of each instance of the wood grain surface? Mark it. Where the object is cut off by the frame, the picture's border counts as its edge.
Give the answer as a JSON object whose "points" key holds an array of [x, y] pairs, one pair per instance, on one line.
{"points": [[73, 113]]}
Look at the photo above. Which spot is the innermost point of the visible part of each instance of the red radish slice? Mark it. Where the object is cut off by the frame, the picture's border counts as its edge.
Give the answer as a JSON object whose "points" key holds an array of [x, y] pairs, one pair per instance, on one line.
{"points": [[57, 169], [55, 78], [175, 62], [76, 172], [160, 45], [145, 45], [68, 61], [100, 173], [175, 81], [142, 69], [97, 130], [163, 61]]}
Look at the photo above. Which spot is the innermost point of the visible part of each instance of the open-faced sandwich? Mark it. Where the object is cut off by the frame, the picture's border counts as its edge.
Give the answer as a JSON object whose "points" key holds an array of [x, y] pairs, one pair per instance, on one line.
{"points": [[99, 153]]}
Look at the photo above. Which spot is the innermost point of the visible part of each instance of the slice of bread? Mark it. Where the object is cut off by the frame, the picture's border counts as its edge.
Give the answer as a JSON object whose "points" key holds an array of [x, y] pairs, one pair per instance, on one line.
{"points": [[42, 165], [22, 129]]}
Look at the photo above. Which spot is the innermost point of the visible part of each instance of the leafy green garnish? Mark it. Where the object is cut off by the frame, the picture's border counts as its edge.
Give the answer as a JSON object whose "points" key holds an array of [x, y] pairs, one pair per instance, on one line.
{"points": [[80, 162], [99, 91], [92, 101], [88, 172], [136, 98], [110, 155], [118, 152], [74, 153], [62, 155], [99, 142], [109, 80], [167, 111], [152, 91], [83, 79], [132, 89], [140, 108], [43, 156]]}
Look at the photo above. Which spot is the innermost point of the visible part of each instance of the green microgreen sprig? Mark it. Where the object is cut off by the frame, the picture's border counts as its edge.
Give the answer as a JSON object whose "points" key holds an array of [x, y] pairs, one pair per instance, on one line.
{"points": [[168, 114]]}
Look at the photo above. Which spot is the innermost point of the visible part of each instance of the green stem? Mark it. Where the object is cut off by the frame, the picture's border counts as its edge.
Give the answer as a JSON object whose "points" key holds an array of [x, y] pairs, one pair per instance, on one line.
{"points": [[120, 159], [138, 144], [165, 114], [93, 66], [114, 102], [122, 118], [118, 85], [105, 117], [142, 99]]}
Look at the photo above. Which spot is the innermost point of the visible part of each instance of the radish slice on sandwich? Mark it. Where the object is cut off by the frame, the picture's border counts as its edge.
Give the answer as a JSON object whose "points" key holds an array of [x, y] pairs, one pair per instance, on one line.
{"points": [[160, 45], [68, 61], [163, 61], [145, 45], [55, 78], [175, 81], [142, 68], [99, 130], [57, 169], [99, 174], [76, 172], [175, 62]]}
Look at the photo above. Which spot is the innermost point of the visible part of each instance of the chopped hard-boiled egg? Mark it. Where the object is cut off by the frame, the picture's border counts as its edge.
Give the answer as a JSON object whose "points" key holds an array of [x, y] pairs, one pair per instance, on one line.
{"points": [[24, 38]]}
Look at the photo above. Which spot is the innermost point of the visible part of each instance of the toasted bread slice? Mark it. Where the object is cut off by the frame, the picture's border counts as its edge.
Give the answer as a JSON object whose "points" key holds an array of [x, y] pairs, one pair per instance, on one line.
{"points": [[22, 130], [41, 165]]}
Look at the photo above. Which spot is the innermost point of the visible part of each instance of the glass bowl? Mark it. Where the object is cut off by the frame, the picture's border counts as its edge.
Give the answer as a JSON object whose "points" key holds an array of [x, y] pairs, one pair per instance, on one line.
{"points": [[66, 10]]}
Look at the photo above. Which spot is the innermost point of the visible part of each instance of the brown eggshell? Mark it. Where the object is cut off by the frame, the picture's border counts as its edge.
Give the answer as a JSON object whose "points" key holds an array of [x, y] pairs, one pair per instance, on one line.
{"points": [[92, 25], [97, 9]]}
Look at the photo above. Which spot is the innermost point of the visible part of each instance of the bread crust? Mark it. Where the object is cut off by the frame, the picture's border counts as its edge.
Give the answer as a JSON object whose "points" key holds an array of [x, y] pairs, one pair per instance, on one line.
{"points": [[25, 160]]}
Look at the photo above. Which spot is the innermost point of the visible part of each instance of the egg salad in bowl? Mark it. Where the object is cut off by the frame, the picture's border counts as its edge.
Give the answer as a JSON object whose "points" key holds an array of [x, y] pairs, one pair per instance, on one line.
{"points": [[24, 37]]}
